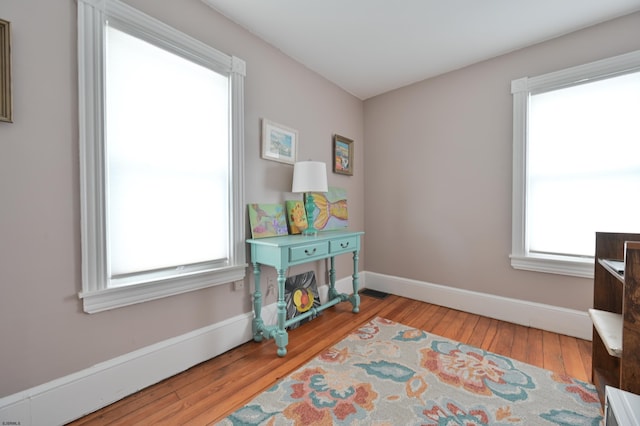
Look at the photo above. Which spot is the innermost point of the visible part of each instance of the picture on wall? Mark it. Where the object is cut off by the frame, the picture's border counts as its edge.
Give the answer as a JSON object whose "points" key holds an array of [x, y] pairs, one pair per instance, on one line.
{"points": [[342, 155], [296, 216], [279, 143], [267, 220], [331, 209], [300, 295]]}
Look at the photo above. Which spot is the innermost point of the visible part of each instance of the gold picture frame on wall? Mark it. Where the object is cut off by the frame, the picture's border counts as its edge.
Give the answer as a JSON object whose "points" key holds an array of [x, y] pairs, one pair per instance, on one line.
{"points": [[5, 71], [342, 155]]}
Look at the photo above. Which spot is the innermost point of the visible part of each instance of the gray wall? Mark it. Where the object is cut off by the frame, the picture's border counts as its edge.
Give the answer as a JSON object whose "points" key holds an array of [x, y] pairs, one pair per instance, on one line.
{"points": [[438, 171], [43, 331]]}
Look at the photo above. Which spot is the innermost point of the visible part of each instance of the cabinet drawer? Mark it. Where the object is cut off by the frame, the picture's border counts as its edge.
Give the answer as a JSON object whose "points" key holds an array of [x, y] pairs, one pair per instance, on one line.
{"points": [[343, 244], [308, 250]]}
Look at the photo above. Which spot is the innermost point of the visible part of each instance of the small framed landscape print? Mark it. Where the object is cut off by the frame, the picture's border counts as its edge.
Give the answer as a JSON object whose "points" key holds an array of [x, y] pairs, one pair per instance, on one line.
{"points": [[342, 155], [279, 143], [5, 71]]}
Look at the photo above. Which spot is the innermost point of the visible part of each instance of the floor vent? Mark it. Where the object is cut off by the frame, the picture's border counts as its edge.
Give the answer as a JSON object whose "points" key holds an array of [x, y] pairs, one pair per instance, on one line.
{"points": [[374, 293]]}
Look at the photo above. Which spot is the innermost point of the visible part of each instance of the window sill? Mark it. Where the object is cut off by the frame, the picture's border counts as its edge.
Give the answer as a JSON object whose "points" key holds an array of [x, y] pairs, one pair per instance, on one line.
{"points": [[554, 264], [111, 298]]}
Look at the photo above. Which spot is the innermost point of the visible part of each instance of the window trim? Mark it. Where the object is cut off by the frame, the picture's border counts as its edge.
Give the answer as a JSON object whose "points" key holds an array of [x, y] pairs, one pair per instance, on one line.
{"points": [[521, 89], [92, 17]]}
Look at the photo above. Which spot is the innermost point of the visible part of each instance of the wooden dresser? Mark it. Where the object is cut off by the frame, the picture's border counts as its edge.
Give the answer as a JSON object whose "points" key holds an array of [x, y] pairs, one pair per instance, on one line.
{"points": [[616, 313]]}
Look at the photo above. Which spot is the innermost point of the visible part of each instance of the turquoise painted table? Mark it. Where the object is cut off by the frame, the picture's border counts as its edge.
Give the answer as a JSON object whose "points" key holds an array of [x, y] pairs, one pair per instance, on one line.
{"points": [[283, 252]]}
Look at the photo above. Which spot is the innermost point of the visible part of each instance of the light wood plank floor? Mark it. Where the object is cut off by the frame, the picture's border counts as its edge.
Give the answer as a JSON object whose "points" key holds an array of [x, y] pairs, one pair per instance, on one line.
{"points": [[211, 390]]}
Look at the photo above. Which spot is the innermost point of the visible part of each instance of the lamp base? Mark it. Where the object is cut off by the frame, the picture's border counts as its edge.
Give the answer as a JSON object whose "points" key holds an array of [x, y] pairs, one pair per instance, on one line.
{"points": [[309, 208]]}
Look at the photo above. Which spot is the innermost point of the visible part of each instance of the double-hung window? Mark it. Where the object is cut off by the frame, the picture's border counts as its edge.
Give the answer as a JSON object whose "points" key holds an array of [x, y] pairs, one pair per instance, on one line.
{"points": [[576, 163], [161, 153]]}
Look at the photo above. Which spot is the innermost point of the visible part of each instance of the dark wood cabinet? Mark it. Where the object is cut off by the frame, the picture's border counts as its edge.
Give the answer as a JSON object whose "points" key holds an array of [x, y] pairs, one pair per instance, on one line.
{"points": [[616, 312]]}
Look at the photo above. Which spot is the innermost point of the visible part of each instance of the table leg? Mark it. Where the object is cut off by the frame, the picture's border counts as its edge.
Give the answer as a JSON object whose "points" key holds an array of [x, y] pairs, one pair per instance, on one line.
{"points": [[257, 323], [281, 337], [355, 299], [332, 281]]}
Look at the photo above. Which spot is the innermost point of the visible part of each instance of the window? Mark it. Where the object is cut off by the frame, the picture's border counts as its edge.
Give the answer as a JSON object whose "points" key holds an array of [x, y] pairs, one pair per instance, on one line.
{"points": [[161, 150], [576, 155]]}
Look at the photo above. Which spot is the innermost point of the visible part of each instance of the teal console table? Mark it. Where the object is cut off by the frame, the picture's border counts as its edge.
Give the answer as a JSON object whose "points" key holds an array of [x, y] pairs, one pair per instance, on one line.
{"points": [[283, 252]]}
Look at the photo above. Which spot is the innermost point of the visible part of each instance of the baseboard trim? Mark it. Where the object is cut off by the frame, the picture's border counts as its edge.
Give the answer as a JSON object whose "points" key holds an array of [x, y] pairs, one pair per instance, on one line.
{"points": [[560, 320], [71, 397]]}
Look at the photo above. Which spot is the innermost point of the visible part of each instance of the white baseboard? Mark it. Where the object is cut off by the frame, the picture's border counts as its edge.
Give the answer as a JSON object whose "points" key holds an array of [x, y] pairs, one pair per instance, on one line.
{"points": [[73, 396], [560, 320]]}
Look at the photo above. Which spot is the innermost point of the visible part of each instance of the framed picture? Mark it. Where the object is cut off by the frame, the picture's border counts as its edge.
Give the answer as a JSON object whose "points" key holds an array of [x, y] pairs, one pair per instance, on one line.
{"points": [[5, 71], [279, 143], [342, 155]]}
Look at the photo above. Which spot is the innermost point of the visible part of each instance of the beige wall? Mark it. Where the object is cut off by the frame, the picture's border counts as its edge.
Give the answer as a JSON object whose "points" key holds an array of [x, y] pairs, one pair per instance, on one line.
{"points": [[438, 172], [43, 332], [438, 182]]}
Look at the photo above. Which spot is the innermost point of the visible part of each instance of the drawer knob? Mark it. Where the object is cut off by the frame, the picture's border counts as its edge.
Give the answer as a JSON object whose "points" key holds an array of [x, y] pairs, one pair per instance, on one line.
{"points": [[344, 245], [309, 253]]}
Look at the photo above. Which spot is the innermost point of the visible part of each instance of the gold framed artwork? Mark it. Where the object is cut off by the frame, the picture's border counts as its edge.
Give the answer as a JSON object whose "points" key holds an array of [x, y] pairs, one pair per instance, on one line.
{"points": [[5, 71], [279, 143], [342, 155]]}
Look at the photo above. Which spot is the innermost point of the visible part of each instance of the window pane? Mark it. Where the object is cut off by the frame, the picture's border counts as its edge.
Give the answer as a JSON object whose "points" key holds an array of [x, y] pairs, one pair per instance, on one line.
{"points": [[167, 157], [583, 164]]}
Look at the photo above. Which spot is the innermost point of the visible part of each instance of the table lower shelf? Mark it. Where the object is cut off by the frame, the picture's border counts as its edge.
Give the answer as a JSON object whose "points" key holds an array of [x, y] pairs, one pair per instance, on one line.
{"points": [[269, 331], [279, 333]]}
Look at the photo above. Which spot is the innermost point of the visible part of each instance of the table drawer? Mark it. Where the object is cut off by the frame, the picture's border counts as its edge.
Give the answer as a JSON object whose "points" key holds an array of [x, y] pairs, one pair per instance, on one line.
{"points": [[307, 251], [343, 244]]}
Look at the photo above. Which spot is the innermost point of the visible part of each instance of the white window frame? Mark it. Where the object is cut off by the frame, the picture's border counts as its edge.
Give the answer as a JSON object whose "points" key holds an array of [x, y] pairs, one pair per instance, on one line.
{"points": [[92, 18], [521, 89]]}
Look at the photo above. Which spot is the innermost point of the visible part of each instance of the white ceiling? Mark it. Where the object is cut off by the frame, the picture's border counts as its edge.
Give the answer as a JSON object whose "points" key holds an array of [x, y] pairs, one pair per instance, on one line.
{"points": [[368, 47]]}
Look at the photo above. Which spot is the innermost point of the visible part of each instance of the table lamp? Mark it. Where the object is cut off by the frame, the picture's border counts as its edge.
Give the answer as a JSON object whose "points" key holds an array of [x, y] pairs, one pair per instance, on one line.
{"points": [[309, 176]]}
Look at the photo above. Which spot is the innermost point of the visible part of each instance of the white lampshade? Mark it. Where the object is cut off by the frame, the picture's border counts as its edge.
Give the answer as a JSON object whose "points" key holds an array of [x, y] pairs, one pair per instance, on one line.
{"points": [[309, 176]]}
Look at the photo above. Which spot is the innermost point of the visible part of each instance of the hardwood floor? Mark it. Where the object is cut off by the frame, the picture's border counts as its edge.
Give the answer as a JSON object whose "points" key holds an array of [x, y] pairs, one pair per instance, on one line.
{"points": [[209, 391]]}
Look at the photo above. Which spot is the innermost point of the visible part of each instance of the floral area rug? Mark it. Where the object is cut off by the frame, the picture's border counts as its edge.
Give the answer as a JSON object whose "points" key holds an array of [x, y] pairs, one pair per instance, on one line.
{"points": [[385, 373]]}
